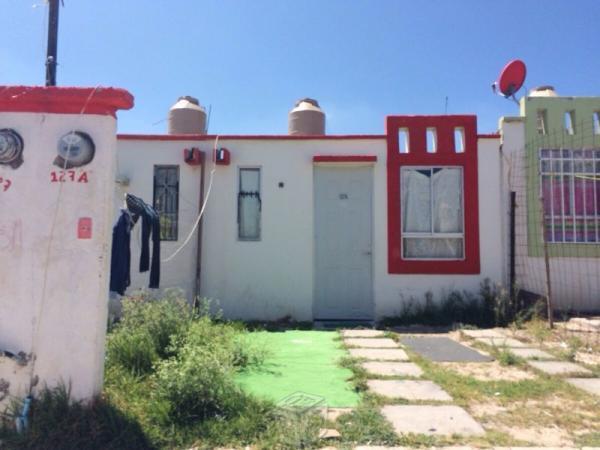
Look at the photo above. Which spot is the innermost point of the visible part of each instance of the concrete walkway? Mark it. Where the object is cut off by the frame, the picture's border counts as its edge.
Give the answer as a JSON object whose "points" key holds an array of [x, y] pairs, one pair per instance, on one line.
{"points": [[382, 356], [394, 377], [539, 359]]}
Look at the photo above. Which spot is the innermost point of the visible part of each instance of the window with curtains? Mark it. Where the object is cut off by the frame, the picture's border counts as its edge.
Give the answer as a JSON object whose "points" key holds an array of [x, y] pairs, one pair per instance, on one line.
{"points": [[570, 190], [249, 204], [166, 200], [432, 212]]}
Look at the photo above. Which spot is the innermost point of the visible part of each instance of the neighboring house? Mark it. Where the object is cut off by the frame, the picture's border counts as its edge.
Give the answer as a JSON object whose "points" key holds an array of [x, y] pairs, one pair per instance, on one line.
{"points": [[552, 163], [316, 226]]}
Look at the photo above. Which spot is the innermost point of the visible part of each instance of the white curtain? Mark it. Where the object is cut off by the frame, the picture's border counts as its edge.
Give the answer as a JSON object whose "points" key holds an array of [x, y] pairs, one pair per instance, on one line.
{"points": [[249, 204], [447, 201], [416, 201], [433, 248], [424, 190]]}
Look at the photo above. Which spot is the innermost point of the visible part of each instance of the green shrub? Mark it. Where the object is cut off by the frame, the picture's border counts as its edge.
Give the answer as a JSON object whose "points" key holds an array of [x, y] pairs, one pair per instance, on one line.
{"points": [[197, 384], [507, 358], [145, 332], [134, 350], [197, 381]]}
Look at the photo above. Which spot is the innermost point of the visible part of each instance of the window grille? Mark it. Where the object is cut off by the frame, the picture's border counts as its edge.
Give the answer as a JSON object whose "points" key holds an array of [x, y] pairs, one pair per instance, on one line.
{"points": [[570, 192], [432, 213], [249, 205], [166, 200]]}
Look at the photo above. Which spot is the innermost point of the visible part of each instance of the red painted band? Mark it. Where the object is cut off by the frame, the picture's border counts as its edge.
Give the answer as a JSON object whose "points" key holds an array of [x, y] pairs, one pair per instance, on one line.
{"points": [[64, 100], [489, 136], [266, 137]]}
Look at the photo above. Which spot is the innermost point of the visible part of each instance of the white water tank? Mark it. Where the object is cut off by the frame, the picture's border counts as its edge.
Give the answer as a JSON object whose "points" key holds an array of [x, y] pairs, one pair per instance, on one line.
{"points": [[187, 116], [543, 91], [306, 118]]}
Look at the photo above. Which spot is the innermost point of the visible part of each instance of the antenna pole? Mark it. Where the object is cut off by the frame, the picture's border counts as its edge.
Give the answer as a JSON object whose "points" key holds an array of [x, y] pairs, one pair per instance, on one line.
{"points": [[52, 43]]}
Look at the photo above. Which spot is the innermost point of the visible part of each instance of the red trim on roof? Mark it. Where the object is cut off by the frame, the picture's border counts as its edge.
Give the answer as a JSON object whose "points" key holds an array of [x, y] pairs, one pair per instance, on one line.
{"points": [[445, 156], [210, 137], [344, 158], [64, 100], [489, 136]]}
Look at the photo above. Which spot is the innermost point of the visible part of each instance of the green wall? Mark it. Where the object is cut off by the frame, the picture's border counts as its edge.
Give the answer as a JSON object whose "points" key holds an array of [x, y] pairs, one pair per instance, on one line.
{"points": [[555, 137]]}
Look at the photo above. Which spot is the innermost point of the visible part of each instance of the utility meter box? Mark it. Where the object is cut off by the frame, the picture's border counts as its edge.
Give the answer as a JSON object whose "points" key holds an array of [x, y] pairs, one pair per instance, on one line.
{"points": [[57, 172]]}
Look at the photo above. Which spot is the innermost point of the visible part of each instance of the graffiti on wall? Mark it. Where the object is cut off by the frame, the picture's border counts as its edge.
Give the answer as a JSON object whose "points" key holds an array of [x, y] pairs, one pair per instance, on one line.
{"points": [[11, 236], [5, 184]]}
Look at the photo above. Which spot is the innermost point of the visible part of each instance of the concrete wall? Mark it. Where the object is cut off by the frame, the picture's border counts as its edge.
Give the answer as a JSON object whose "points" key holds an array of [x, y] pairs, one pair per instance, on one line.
{"points": [[54, 286], [273, 278]]}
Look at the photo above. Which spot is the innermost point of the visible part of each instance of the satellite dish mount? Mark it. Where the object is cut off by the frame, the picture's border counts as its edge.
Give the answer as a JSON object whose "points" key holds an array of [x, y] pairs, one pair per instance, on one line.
{"points": [[511, 79]]}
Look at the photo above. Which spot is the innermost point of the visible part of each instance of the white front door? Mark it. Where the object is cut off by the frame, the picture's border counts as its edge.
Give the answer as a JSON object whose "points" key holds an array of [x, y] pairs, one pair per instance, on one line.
{"points": [[343, 216]]}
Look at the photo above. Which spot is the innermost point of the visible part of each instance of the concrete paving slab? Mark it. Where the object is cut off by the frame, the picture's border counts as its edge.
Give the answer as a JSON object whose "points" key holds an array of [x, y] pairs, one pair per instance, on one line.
{"points": [[329, 433], [362, 333], [371, 343], [431, 420], [491, 333], [591, 385], [398, 369], [379, 354], [443, 349], [558, 367], [503, 342], [531, 353], [409, 389], [333, 413]]}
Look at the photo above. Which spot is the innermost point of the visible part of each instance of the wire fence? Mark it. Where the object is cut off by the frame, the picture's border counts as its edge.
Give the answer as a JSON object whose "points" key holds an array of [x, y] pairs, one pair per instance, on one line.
{"points": [[554, 184]]}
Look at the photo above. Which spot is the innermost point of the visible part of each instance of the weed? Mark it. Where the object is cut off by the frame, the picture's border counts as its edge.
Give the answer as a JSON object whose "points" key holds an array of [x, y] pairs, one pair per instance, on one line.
{"points": [[359, 374], [58, 422], [507, 358], [589, 440], [466, 389], [366, 425], [492, 306], [539, 329], [144, 334], [573, 345]]}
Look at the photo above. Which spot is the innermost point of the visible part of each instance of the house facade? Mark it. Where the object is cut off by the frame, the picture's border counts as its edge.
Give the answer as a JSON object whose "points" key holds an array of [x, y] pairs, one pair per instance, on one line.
{"points": [[323, 227], [551, 154]]}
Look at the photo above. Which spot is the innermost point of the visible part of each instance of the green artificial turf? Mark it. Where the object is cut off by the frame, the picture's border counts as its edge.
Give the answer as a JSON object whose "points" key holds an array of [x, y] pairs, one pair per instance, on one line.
{"points": [[300, 361]]}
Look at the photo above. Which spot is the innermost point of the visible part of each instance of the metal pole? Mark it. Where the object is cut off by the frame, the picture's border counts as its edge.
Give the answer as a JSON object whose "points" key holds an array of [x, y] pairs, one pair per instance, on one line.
{"points": [[550, 309], [52, 43], [199, 247], [513, 207]]}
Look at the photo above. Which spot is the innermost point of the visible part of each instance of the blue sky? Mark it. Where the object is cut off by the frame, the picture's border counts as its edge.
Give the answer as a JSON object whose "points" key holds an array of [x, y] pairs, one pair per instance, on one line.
{"points": [[362, 59]]}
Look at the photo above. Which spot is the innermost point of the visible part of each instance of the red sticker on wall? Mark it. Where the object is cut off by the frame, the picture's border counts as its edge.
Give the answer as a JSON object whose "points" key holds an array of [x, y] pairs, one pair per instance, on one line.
{"points": [[84, 228]]}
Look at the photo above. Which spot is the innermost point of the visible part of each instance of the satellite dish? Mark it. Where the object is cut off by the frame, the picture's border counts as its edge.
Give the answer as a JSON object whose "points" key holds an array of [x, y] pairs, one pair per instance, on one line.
{"points": [[511, 79]]}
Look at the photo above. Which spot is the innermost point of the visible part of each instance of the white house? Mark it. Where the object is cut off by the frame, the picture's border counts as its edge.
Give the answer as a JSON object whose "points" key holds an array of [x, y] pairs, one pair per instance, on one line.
{"points": [[315, 226]]}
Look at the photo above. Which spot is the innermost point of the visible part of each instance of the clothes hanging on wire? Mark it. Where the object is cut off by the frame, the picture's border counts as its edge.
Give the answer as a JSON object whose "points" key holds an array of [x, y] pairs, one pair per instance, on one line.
{"points": [[150, 228], [121, 248], [120, 262]]}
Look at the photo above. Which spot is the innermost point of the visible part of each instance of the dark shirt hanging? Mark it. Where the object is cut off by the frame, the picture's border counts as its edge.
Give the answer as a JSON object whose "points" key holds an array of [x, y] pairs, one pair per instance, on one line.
{"points": [[120, 262], [150, 228]]}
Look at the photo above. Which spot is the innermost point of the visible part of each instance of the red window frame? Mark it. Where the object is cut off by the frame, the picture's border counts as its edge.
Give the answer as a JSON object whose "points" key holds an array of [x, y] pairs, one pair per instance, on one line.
{"points": [[445, 155]]}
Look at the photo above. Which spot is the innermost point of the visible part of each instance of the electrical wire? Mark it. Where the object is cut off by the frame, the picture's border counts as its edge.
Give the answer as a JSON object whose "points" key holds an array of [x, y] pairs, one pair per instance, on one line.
{"points": [[197, 221]]}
